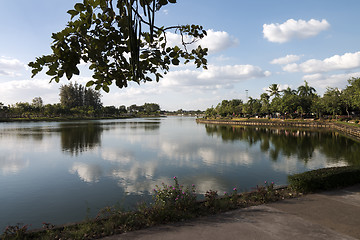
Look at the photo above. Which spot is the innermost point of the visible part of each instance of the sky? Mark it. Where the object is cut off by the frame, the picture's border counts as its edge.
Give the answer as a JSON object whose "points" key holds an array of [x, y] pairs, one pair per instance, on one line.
{"points": [[252, 44]]}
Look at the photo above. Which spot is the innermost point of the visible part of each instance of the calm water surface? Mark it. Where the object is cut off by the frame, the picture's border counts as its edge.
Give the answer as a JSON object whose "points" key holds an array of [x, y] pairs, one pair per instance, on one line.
{"points": [[61, 172]]}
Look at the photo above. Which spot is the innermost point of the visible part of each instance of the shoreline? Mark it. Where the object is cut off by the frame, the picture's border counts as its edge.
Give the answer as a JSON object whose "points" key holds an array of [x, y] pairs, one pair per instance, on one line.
{"points": [[58, 119], [349, 131]]}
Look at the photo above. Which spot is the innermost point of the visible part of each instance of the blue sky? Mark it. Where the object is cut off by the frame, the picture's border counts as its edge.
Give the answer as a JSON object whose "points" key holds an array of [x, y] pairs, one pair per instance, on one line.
{"points": [[252, 44]]}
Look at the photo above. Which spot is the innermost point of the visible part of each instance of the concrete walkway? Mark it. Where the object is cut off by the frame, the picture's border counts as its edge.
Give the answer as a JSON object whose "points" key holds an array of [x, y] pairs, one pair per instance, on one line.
{"points": [[327, 215]]}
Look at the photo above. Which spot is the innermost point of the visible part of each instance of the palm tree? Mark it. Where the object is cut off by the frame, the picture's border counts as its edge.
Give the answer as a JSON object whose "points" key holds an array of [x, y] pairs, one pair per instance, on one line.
{"points": [[274, 90], [265, 103], [306, 90], [289, 91]]}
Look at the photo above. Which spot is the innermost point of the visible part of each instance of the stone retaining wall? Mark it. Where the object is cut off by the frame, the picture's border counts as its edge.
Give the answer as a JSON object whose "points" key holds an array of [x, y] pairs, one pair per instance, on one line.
{"points": [[348, 130]]}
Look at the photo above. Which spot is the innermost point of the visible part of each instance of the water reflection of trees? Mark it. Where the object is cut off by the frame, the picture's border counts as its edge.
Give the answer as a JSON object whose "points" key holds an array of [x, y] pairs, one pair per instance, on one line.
{"points": [[77, 138], [80, 137], [146, 126], [36, 134], [292, 142]]}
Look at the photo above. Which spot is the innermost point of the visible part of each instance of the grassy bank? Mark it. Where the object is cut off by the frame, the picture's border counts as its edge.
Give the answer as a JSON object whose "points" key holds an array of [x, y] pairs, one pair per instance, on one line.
{"points": [[178, 203]]}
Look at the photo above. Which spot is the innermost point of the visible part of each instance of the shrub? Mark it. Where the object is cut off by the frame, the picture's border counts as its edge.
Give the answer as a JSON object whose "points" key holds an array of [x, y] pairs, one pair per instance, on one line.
{"points": [[211, 199], [173, 202], [15, 232], [264, 194], [175, 196], [324, 179]]}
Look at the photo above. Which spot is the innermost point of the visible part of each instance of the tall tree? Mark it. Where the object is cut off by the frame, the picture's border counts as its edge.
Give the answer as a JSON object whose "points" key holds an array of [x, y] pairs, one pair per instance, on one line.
{"points": [[37, 102], [120, 41], [288, 91], [274, 90], [75, 95], [305, 90], [150, 108], [252, 106], [353, 92], [317, 106], [265, 103], [332, 101]]}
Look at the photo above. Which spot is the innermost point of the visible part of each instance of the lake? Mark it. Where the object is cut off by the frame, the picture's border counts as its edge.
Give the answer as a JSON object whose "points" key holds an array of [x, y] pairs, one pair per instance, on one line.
{"points": [[61, 172]]}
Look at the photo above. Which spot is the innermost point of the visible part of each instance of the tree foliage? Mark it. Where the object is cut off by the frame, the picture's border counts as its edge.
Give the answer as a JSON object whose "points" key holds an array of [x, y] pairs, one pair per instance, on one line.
{"points": [[274, 90], [296, 103], [75, 95], [120, 41], [37, 102]]}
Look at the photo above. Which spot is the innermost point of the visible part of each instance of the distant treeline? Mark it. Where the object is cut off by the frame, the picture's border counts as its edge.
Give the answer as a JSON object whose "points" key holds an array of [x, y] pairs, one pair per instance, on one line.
{"points": [[294, 103], [75, 101]]}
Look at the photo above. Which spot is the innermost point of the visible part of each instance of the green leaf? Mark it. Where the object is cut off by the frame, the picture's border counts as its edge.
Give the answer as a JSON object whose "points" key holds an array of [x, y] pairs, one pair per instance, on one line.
{"points": [[175, 61], [176, 49], [106, 88], [73, 13], [51, 72], [79, 7], [90, 83], [76, 71], [172, 54], [69, 75], [163, 2]]}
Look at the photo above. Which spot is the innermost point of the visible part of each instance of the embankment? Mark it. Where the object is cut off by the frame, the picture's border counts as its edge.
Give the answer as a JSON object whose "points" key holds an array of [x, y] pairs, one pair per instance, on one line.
{"points": [[348, 130]]}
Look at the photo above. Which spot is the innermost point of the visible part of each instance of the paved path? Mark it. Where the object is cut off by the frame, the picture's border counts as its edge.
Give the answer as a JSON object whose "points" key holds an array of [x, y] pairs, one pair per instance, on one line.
{"points": [[327, 215]]}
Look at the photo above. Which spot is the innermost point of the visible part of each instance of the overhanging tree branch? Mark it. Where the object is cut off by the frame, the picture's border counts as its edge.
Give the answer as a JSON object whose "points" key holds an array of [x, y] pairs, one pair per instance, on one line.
{"points": [[115, 44]]}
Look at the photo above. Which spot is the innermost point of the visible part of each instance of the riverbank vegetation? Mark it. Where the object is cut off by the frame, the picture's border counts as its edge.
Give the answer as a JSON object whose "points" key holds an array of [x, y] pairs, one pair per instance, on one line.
{"points": [[76, 102], [173, 203], [299, 103], [325, 179]]}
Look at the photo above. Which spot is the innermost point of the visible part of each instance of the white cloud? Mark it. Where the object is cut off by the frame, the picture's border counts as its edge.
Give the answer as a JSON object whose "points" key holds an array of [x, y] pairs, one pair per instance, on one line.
{"points": [[186, 88], [238, 72], [180, 88], [11, 163], [11, 67], [214, 78], [286, 60], [292, 29], [281, 87], [215, 41], [118, 156], [26, 89], [319, 80], [336, 62], [87, 172]]}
